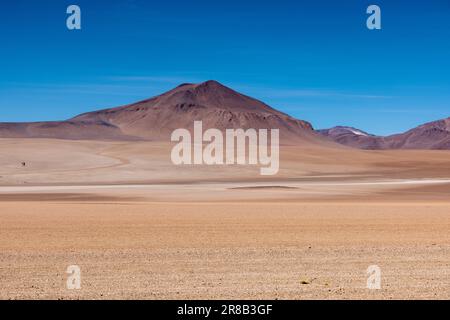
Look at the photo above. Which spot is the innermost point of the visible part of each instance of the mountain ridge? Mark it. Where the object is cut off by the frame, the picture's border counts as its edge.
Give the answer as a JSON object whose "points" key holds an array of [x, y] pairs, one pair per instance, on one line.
{"points": [[220, 107], [434, 135]]}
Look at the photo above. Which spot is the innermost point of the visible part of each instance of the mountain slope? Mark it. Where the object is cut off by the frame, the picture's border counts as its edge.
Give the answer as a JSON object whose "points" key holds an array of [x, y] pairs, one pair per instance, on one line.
{"points": [[433, 135], [75, 130]]}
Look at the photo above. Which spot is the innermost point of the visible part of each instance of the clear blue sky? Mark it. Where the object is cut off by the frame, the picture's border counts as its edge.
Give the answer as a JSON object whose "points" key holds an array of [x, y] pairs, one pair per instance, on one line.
{"points": [[315, 60]]}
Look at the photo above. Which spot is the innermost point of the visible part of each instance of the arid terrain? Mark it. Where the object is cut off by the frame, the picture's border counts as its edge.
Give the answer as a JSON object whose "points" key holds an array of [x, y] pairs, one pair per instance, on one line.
{"points": [[140, 227]]}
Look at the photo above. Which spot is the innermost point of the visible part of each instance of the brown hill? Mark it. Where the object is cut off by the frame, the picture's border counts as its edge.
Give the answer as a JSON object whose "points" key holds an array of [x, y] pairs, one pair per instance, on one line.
{"points": [[216, 105], [155, 118], [433, 135], [352, 137]]}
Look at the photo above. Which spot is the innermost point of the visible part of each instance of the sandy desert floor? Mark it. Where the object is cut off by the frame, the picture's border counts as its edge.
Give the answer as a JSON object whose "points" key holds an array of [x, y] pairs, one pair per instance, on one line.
{"points": [[140, 228]]}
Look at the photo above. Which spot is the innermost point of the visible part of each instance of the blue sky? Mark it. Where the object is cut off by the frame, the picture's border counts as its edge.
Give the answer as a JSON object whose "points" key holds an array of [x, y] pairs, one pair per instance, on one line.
{"points": [[315, 60]]}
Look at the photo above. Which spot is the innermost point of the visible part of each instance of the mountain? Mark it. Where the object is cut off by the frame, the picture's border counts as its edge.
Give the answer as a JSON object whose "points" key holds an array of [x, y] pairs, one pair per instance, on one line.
{"points": [[433, 135], [154, 119], [343, 131], [353, 137], [217, 106]]}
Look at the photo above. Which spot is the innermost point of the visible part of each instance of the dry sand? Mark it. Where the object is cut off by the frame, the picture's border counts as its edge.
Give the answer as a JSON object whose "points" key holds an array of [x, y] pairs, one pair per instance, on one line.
{"points": [[141, 228]]}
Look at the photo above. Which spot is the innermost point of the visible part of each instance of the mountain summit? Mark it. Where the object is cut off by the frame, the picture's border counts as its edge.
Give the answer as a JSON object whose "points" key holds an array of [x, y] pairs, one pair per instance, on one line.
{"points": [[216, 105]]}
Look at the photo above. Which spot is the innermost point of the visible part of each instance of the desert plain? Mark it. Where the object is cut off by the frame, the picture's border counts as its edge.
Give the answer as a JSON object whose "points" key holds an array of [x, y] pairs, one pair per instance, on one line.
{"points": [[141, 228]]}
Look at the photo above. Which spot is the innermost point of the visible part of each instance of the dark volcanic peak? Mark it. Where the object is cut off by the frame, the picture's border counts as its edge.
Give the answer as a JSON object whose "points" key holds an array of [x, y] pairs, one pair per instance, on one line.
{"points": [[216, 105]]}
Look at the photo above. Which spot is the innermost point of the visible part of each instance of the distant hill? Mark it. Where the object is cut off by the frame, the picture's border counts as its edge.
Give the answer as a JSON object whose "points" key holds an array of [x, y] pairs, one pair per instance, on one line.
{"points": [[433, 135]]}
